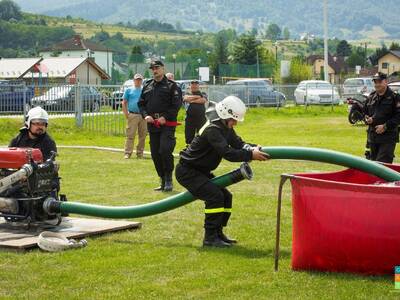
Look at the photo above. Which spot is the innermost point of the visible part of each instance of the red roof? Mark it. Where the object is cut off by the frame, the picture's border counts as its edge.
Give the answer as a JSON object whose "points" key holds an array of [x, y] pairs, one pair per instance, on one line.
{"points": [[75, 44]]}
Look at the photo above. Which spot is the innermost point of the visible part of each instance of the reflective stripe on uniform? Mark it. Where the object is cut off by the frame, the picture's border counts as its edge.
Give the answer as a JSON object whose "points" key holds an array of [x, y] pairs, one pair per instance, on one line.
{"points": [[204, 127], [228, 210], [214, 210]]}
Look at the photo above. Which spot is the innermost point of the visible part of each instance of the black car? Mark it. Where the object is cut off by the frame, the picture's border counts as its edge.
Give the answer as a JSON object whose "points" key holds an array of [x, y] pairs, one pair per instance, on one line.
{"points": [[62, 98], [15, 96]]}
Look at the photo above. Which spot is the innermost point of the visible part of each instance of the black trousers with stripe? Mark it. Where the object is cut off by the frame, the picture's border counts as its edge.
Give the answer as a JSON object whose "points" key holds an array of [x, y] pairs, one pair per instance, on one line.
{"points": [[218, 200]]}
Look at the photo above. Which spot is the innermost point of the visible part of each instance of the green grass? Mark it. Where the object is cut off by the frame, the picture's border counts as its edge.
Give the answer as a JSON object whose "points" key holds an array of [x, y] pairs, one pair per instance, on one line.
{"points": [[164, 259]]}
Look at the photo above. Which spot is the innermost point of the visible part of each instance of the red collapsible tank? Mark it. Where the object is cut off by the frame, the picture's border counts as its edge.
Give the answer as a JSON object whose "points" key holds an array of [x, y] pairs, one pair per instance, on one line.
{"points": [[346, 221]]}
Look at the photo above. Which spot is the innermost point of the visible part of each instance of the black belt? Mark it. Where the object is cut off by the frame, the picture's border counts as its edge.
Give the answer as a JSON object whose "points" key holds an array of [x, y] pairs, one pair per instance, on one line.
{"points": [[134, 112]]}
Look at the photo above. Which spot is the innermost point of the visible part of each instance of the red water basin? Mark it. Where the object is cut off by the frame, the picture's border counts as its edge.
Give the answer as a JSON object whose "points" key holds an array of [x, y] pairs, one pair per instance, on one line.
{"points": [[347, 221]]}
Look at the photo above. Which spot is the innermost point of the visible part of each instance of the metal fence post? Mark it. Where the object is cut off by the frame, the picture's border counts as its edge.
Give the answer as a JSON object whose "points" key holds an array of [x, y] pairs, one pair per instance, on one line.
{"points": [[306, 98], [78, 106], [24, 99]]}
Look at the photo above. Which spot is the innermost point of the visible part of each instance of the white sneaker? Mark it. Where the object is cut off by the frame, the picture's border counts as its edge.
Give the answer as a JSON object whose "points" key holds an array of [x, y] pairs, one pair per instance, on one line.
{"points": [[127, 156]]}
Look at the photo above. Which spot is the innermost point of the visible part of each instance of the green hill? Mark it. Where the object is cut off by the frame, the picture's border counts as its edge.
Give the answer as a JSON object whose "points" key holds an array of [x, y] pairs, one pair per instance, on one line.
{"points": [[352, 20]]}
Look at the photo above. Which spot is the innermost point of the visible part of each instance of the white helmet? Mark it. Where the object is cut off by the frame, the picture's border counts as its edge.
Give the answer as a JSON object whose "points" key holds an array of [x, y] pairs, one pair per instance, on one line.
{"points": [[36, 113], [231, 108]]}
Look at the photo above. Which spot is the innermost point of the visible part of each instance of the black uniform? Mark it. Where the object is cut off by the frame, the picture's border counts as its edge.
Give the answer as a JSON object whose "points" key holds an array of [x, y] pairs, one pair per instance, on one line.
{"points": [[44, 142], [195, 117], [385, 110], [161, 99], [201, 157]]}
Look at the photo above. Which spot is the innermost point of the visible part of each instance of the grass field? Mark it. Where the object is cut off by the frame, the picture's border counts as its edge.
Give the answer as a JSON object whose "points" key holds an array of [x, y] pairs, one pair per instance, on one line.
{"points": [[164, 259]]}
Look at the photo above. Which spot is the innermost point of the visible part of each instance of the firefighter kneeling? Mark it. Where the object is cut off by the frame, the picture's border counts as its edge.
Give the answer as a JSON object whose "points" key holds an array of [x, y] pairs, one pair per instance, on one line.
{"points": [[216, 140]]}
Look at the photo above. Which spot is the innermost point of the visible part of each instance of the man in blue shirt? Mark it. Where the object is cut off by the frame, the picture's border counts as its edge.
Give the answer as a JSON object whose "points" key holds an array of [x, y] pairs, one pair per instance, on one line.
{"points": [[135, 121]]}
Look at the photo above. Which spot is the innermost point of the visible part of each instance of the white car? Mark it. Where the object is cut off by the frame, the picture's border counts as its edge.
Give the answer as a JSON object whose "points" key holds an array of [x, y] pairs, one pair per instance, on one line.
{"points": [[316, 92], [395, 86], [357, 86]]}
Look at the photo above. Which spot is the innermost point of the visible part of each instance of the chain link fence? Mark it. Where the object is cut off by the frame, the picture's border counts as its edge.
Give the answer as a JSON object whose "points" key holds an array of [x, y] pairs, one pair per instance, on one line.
{"points": [[98, 107]]}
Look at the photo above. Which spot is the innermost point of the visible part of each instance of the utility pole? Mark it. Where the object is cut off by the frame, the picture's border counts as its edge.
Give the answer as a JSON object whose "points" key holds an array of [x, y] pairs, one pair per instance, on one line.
{"points": [[326, 78], [365, 44], [258, 66]]}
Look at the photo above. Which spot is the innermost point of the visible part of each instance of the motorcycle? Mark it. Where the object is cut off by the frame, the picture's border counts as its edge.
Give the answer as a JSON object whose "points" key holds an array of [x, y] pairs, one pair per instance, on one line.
{"points": [[356, 109]]}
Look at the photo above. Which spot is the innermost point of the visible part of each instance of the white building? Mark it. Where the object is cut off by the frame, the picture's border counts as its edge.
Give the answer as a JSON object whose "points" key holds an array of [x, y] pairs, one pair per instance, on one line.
{"points": [[16, 68], [77, 47], [68, 70]]}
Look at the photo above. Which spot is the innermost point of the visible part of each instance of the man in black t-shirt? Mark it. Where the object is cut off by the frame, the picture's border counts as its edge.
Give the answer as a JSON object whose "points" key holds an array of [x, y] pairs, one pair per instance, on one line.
{"points": [[195, 104]]}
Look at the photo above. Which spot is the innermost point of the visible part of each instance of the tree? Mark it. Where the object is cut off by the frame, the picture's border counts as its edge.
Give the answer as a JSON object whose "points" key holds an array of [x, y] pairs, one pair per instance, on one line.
{"points": [[286, 33], [219, 54], [343, 48], [299, 71], [266, 56], [356, 58], [119, 37], [136, 55], [101, 36], [394, 46], [9, 10], [379, 52], [273, 32], [245, 50], [178, 75]]}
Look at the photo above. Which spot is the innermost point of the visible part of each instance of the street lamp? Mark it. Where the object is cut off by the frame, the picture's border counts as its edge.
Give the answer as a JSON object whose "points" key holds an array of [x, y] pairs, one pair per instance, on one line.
{"points": [[174, 58], [199, 61], [326, 75], [88, 57], [276, 44]]}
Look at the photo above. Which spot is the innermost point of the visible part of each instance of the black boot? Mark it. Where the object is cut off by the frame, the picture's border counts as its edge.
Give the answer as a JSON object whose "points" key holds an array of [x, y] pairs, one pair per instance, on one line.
{"points": [[168, 187], [212, 239], [162, 185], [226, 239]]}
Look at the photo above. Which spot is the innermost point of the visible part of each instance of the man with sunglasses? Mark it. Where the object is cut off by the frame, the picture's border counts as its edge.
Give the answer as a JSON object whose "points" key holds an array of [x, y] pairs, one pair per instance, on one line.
{"points": [[159, 104], [34, 133]]}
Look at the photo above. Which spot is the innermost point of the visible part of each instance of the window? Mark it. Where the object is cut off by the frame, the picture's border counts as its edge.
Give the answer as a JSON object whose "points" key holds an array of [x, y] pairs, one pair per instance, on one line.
{"points": [[385, 65]]}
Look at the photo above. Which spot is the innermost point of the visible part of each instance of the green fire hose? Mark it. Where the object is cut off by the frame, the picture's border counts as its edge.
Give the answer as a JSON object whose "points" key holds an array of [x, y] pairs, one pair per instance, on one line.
{"points": [[143, 210], [298, 153], [333, 157]]}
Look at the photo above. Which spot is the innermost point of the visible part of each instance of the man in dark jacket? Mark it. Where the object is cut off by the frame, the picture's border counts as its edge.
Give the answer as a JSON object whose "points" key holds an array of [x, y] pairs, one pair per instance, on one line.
{"points": [[34, 133], [382, 115], [159, 104], [216, 140]]}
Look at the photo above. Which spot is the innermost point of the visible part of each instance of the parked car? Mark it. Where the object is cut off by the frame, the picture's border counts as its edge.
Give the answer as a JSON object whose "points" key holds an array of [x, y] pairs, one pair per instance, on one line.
{"points": [[15, 96], [255, 92], [395, 86], [185, 85], [356, 86], [316, 92], [117, 96], [62, 98]]}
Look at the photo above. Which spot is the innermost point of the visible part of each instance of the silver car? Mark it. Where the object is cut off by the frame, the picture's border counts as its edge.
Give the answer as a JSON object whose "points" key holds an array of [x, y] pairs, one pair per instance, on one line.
{"points": [[311, 92], [357, 86]]}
